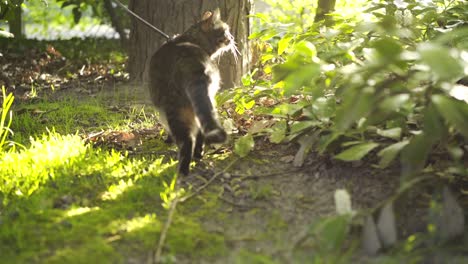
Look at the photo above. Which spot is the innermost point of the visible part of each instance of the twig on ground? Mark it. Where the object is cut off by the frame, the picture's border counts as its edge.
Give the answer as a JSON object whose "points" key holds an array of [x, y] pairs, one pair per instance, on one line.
{"points": [[162, 237]]}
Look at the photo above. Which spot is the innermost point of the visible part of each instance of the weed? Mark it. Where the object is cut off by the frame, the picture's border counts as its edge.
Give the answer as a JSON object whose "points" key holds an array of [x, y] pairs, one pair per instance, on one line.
{"points": [[6, 117]]}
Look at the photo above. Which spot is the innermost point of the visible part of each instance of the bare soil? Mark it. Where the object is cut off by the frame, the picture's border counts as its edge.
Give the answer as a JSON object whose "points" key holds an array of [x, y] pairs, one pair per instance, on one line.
{"points": [[270, 204]]}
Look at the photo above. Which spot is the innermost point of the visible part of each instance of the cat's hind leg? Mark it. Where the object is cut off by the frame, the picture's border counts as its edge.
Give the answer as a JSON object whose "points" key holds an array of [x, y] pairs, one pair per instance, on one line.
{"points": [[183, 130], [198, 94]]}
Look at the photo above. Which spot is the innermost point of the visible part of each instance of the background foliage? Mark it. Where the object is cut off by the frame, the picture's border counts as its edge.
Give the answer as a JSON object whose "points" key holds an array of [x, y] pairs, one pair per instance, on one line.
{"points": [[388, 88], [49, 19], [383, 84]]}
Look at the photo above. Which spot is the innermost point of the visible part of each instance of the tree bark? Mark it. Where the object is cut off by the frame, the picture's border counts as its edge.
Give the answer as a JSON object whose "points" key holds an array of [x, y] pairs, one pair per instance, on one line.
{"points": [[325, 7], [15, 23], [3, 10], [176, 16], [116, 23]]}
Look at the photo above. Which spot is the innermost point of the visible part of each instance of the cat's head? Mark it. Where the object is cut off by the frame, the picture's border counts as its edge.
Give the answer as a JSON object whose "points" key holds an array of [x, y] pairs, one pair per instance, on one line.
{"points": [[214, 34]]}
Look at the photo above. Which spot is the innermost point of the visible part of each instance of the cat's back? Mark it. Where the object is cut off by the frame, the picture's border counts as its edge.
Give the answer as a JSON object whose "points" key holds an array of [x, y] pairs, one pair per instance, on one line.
{"points": [[174, 65], [178, 57]]}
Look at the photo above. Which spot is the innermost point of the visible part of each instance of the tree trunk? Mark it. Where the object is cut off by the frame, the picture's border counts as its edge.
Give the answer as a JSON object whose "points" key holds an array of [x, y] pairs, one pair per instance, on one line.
{"points": [[15, 23], [176, 16], [3, 10], [325, 7], [116, 23]]}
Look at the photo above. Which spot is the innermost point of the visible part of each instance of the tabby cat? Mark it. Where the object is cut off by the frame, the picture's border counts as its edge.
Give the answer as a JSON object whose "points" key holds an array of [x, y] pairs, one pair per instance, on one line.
{"points": [[183, 82]]}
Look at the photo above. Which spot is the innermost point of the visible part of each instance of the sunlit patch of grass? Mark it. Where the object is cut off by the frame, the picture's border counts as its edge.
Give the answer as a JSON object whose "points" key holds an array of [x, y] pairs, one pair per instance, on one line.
{"points": [[116, 189], [133, 224], [23, 172], [65, 201], [65, 117], [80, 210]]}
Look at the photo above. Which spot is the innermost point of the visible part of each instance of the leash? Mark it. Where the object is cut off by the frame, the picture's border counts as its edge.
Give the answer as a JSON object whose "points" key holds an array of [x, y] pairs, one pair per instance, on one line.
{"points": [[124, 7]]}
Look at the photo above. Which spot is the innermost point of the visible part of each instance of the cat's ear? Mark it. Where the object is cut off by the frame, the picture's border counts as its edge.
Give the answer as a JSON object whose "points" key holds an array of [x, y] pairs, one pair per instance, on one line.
{"points": [[208, 20], [212, 16], [206, 16]]}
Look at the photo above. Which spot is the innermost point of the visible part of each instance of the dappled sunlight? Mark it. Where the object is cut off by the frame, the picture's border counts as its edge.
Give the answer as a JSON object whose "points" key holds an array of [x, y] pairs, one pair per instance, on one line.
{"points": [[140, 169], [353, 8], [133, 224], [56, 157], [116, 189], [80, 210], [25, 171]]}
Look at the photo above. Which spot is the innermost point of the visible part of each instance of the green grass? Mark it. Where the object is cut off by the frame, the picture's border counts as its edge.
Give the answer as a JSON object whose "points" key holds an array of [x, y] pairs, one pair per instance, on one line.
{"points": [[70, 116], [66, 201], [66, 117]]}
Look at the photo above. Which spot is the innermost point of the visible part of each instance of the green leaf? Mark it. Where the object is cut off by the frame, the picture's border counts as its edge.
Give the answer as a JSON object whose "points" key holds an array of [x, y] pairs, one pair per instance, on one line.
{"points": [[356, 152], [454, 111], [457, 37], [244, 145], [284, 110], [389, 49], [356, 104], [324, 107], [303, 76], [413, 156], [283, 44], [326, 140], [388, 154], [300, 68], [305, 49], [303, 125], [295, 75], [393, 133], [332, 231], [393, 103], [433, 123], [278, 132], [266, 57], [441, 61]]}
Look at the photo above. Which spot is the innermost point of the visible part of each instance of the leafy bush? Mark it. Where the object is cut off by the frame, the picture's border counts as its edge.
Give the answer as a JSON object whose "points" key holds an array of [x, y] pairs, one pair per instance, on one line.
{"points": [[379, 87], [387, 84]]}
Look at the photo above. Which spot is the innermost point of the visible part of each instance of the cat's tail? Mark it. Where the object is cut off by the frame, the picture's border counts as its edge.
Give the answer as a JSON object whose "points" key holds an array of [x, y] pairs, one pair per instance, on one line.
{"points": [[206, 113]]}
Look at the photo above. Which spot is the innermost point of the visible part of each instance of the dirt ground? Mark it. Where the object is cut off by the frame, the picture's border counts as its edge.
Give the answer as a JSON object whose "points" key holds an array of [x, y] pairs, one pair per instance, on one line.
{"points": [[271, 204]]}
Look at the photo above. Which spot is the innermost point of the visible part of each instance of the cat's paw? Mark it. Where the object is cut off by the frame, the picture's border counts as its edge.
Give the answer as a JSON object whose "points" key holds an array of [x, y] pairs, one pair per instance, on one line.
{"points": [[215, 136]]}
